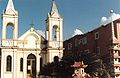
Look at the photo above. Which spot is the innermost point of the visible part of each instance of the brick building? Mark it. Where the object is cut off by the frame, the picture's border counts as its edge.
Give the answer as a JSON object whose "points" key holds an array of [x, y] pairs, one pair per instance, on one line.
{"points": [[104, 41]]}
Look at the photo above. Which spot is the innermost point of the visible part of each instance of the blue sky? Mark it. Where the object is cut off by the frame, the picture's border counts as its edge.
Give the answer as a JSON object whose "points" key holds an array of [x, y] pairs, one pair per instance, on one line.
{"points": [[78, 14]]}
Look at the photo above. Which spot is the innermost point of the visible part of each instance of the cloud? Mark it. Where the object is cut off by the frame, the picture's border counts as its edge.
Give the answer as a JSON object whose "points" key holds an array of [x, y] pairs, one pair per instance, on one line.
{"points": [[105, 20], [41, 32], [77, 32]]}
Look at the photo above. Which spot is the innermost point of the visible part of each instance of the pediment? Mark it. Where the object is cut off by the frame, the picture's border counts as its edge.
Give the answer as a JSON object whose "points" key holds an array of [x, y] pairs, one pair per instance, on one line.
{"points": [[31, 32], [10, 11], [31, 39], [55, 14]]}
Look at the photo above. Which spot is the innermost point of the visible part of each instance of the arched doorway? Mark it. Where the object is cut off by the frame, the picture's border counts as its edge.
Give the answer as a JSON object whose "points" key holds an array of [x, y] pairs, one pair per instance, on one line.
{"points": [[31, 66]]}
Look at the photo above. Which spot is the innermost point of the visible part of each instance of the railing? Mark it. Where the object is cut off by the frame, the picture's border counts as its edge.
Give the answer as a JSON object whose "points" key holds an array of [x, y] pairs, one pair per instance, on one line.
{"points": [[20, 43], [9, 42]]}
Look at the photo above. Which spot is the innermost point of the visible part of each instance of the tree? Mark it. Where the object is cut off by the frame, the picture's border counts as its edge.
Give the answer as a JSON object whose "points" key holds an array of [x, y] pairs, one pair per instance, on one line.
{"points": [[63, 68]]}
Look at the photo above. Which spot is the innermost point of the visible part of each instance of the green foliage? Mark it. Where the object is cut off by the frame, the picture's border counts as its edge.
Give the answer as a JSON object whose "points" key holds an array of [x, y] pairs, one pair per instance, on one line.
{"points": [[63, 69]]}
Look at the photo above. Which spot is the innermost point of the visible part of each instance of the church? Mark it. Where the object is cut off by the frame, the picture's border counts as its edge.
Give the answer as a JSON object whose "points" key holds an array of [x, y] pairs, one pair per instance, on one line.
{"points": [[22, 57]]}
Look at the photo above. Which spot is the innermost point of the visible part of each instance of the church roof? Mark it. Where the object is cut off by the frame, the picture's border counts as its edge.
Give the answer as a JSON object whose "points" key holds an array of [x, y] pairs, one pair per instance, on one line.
{"points": [[53, 8], [54, 11], [10, 8], [10, 5], [32, 31]]}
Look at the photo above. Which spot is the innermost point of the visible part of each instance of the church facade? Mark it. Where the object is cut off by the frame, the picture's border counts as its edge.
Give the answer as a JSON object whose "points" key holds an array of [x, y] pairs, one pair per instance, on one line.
{"points": [[22, 57]]}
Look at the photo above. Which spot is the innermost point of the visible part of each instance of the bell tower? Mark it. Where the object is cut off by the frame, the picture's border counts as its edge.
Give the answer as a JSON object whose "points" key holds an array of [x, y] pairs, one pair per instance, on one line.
{"points": [[8, 47], [54, 33], [10, 18]]}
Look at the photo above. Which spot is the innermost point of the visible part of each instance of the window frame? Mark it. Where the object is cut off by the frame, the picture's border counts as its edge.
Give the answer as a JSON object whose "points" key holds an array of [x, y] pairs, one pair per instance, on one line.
{"points": [[21, 64], [69, 46], [9, 63], [97, 35]]}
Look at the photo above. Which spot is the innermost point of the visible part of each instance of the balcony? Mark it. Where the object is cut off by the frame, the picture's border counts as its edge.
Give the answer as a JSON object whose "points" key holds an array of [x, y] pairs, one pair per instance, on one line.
{"points": [[116, 55], [9, 42]]}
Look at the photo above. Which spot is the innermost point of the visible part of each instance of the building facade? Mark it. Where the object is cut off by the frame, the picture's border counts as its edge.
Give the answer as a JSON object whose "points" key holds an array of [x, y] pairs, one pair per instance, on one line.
{"points": [[22, 57], [104, 41]]}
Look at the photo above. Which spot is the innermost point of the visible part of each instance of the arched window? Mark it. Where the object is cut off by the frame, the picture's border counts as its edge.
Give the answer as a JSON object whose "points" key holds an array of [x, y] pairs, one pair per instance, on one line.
{"points": [[9, 63], [21, 64], [9, 31], [54, 33]]}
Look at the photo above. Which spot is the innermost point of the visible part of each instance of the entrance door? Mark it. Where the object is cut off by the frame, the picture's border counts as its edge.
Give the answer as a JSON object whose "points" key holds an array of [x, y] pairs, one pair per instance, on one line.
{"points": [[31, 66]]}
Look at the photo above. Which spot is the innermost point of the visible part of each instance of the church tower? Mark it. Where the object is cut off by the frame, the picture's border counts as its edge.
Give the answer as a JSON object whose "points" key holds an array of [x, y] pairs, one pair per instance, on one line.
{"points": [[9, 46], [10, 18], [54, 33]]}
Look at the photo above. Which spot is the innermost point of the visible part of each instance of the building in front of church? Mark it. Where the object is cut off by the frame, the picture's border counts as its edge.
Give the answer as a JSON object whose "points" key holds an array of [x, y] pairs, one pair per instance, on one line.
{"points": [[22, 57]]}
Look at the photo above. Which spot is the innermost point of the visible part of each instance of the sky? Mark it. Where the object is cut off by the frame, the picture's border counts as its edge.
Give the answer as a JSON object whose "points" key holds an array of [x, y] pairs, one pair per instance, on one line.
{"points": [[84, 15]]}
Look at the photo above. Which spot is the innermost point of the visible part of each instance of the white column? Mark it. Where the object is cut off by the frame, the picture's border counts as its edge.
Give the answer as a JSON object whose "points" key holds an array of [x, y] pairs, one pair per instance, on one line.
{"points": [[112, 26], [46, 35], [38, 64], [2, 64], [14, 63], [3, 30], [18, 65], [16, 28], [61, 29], [50, 31], [25, 65]]}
